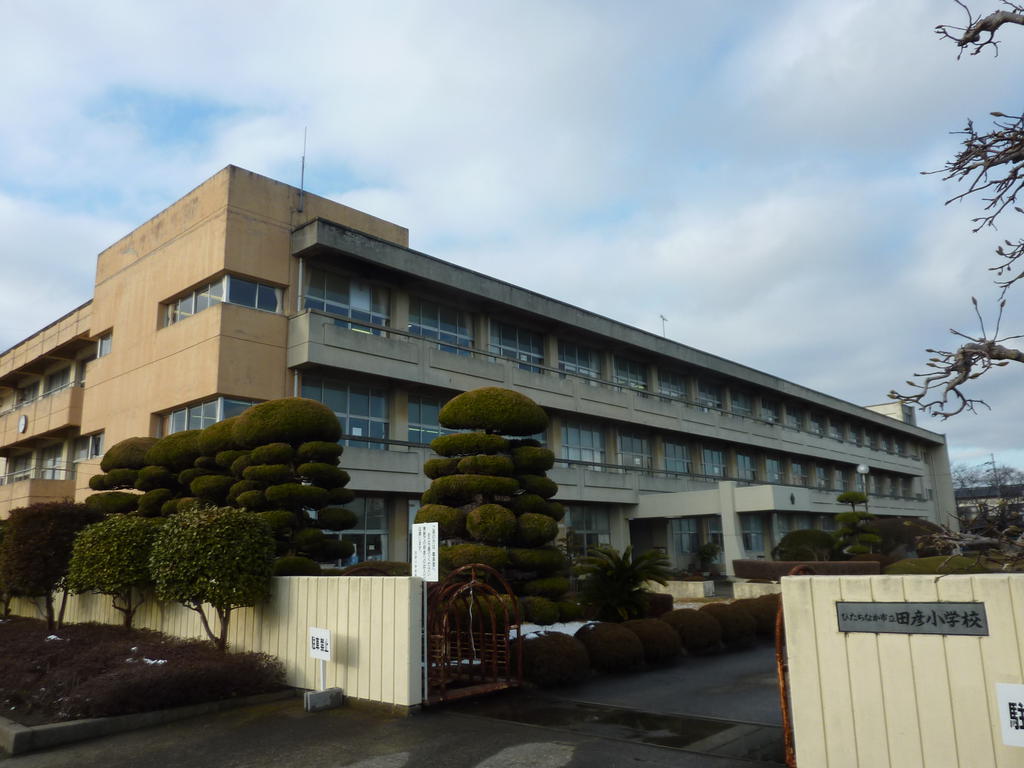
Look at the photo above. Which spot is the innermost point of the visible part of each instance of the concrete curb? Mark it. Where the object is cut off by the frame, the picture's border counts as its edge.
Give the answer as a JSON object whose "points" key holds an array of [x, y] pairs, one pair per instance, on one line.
{"points": [[17, 739]]}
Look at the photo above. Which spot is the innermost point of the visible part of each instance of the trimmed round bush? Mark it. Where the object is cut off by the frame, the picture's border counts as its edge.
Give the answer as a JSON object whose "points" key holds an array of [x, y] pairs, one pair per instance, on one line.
{"points": [[468, 443], [320, 451], [539, 610], [528, 502], [611, 647], [295, 496], [292, 420], [555, 658], [127, 454], [764, 609], [152, 477], [336, 519], [658, 603], [251, 499], [535, 530], [554, 510], [938, 564], [491, 524], [808, 544], [552, 586], [186, 476], [699, 632], [239, 465], [309, 539], [99, 482], [212, 488], [272, 453], [241, 487], [324, 475], [151, 503], [340, 495], [335, 549], [456, 490], [495, 410], [538, 559], [542, 486], [177, 452], [451, 522], [484, 464], [268, 474], [112, 502], [531, 460], [569, 611], [280, 521], [739, 628], [434, 468], [457, 555], [121, 478], [207, 462], [218, 437], [660, 641], [225, 459], [296, 565]]}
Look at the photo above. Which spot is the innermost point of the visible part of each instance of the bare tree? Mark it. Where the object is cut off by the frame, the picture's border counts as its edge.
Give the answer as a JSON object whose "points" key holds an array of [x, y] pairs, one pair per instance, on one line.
{"points": [[991, 163]]}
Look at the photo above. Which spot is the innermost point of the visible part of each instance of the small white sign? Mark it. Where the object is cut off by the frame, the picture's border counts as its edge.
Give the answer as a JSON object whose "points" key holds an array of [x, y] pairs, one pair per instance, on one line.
{"points": [[1011, 713], [424, 551], [320, 643]]}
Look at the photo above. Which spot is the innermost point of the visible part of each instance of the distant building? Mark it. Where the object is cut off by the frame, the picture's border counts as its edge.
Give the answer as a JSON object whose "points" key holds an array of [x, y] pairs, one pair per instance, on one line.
{"points": [[988, 506], [246, 290]]}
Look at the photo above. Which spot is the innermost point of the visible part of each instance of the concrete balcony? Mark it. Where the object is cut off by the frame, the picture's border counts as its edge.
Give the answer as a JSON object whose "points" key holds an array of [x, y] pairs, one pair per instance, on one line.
{"points": [[46, 415], [18, 492]]}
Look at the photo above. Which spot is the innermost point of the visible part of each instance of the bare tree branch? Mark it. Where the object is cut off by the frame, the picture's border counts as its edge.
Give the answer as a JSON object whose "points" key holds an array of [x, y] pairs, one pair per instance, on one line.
{"points": [[980, 30]]}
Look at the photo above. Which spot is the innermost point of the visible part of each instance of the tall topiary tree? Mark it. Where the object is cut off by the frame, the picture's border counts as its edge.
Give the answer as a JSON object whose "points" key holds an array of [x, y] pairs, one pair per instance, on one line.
{"points": [[112, 557], [856, 535], [490, 494], [220, 556], [37, 548]]}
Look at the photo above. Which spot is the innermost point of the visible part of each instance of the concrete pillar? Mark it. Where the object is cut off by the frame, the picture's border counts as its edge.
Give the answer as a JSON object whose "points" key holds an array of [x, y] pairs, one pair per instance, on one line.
{"points": [[551, 351], [398, 528], [611, 444], [732, 534], [554, 435], [607, 365], [481, 332], [652, 379], [658, 451], [399, 310], [399, 415]]}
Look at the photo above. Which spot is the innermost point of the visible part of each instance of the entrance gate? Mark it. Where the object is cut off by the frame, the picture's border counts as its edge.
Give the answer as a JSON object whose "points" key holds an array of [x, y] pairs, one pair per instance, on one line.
{"points": [[473, 635]]}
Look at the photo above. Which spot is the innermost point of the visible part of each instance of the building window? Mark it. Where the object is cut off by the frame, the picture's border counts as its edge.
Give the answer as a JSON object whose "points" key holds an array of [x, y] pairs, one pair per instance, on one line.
{"points": [[797, 473], [88, 447], [677, 457], [369, 536], [773, 469], [742, 405], [817, 424], [835, 429], [104, 344], [578, 359], [202, 415], [438, 321], [820, 477], [770, 411], [57, 381], [582, 442], [714, 462], [424, 425], [51, 462], [361, 409], [842, 480], [634, 450], [518, 344], [336, 294], [586, 528], [709, 396], [26, 394], [716, 537], [671, 384], [827, 522], [19, 468], [630, 373], [752, 527], [794, 417], [232, 289], [685, 536], [746, 467]]}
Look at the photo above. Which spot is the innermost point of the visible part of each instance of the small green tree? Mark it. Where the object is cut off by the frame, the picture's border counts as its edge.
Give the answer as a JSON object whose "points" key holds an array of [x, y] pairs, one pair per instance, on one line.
{"points": [[614, 583], [112, 557], [220, 556], [855, 535], [37, 548]]}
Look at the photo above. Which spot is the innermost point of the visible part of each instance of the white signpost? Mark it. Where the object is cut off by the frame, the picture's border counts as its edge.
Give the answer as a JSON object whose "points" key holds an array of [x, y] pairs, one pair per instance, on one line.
{"points": [[319, 645], [424, 551], [1011, 713]]}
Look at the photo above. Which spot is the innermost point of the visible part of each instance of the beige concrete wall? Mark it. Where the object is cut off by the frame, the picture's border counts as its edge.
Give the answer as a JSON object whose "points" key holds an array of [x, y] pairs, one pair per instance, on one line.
{"points": [[894, 700], [75, 324], [375, 624]]}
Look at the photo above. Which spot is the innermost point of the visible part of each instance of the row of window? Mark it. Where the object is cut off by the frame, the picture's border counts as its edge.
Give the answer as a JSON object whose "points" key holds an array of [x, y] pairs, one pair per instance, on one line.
{"points": [[49, 463], [230, 289], [689, 533]]}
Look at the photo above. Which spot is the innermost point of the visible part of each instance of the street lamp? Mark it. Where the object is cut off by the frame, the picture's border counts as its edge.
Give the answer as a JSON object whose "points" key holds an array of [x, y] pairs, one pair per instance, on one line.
{"points": [[864, 470]]}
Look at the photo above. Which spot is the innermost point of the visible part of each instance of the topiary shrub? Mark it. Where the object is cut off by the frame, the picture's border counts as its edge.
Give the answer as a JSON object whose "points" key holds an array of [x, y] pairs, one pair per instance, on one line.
{"points": [[152, 477], [763, 609], [121, 478], [554, 510], [739, 629], [295, 565], [324, 475], [494, 410], [539, 485], [434, 468], [225, 459], [272, 453], [699, 632], [485, 464], [150, 504], [569, 610], [336, 518], [268, 474], [611, 647], [552, 587], [940, 564], [539, 610], [468, 443], [528, 502], [99, 483], [218, 438], [451, 521], [292, 420], [543, 560], [177, 452], [296, 496], [809, 544], [659, 640], [127, 454], [212, 488], [456, 490], [340, 495], [251, 499], [280, 521], [458, 555], [658, 603], [320, 451], [112, 503], [491, 524], [532, 460], [535, 530], [554, 658], [208, 463]]}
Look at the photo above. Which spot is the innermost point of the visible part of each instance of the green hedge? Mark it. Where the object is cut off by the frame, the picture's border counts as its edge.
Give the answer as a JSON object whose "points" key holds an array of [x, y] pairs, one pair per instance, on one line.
{"points": [[295, 496], [494, 409], [457, 555], [292, 420], [434, 468], [324, 475], [468, 443], [538, 484], [272, 453], [212, 488], [152, 477], [112, 503], [151, 503], [326, 452], [659, 640], [241, 487], [456, 490], [177, 452], [531, 460], [336, 518], [485, 464], [535, 530], [491, 524], [99, 482], [538, 559], [451, 522], [225, 459], [252, 499], [218, 437], [612, 648], [555, 658], [269, 474], [127, 454], [280, 521], [528, 502], [938, 564], [738, 627], [539, 610], [698, 631]]}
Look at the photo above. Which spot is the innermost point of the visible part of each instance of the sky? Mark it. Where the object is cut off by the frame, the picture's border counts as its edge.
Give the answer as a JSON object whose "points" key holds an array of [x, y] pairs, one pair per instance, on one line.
{"points": [[749, 170]]}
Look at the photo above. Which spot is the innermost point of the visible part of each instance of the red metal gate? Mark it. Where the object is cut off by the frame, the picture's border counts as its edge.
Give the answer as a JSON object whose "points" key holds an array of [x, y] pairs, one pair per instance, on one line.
{"points": [[473, 635]]}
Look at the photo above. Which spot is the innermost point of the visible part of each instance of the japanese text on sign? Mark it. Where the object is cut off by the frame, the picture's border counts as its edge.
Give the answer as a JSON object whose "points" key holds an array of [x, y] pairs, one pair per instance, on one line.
{"points": [[1011, 713], [320, 643], [424, 551], [913, 618]]}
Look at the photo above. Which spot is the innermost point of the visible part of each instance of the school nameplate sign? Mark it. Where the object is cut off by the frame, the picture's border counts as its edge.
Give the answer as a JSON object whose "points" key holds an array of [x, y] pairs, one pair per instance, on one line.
{"points": [[913, 618]]}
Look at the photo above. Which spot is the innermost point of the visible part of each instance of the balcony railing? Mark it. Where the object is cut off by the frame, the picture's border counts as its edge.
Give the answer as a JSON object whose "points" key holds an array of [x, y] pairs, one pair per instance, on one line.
{"points": [[56, 472], [37, 398]]}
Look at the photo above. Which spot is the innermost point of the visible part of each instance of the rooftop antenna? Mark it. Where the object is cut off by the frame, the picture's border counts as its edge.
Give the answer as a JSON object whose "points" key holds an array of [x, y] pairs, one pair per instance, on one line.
{"points": [[663, 321], [302, 172]]}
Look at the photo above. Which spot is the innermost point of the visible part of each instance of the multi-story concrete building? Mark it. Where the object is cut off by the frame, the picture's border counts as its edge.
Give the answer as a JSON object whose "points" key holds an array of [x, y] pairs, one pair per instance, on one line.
{"points": [[246, 289]]}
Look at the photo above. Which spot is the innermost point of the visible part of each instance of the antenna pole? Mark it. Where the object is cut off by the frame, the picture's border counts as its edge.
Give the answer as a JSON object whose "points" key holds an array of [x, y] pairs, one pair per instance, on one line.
{"points": [[663, 320], [302, 172]]}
